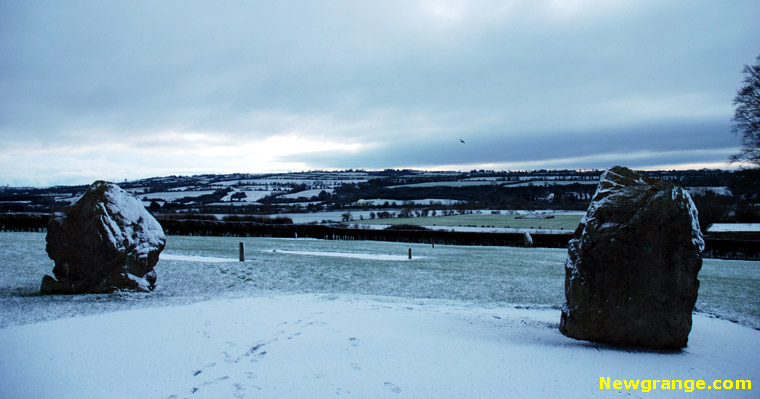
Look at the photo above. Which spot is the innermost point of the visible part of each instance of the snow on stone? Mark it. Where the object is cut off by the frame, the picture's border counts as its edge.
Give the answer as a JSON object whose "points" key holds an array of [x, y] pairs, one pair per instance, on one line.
{"points": [[130, 210], [681, 196], [141, 282]]}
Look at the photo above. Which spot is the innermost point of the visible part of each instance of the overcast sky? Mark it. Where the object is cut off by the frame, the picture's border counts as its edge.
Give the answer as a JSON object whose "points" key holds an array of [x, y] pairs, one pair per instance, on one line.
{"points": [[129, 89]]}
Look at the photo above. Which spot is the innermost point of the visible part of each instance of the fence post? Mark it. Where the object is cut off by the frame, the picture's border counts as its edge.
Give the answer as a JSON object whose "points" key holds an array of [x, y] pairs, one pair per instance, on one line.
{"points": [[410, 253], [242, 252]]}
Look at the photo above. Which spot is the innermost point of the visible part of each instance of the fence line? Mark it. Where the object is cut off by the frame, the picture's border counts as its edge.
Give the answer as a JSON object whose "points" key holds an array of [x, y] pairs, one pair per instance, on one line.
{"points": [[722, 248]]}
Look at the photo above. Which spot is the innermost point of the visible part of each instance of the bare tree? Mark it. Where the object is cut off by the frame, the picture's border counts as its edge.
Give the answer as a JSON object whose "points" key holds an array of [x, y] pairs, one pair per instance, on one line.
{"points": [[747, 116]]}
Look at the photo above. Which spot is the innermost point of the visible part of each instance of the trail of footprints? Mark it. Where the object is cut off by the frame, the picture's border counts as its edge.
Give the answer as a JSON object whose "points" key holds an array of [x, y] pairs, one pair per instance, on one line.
{"points": [[253, 354]]}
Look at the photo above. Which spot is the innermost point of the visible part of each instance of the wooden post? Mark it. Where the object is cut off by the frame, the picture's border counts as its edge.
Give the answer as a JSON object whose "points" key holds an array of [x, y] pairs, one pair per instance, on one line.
{"points": [[242, 252], [410, 253]]}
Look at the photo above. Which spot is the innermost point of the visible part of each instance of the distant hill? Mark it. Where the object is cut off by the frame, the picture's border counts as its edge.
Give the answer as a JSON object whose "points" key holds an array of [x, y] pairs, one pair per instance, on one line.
{"points": [[720, 195]]}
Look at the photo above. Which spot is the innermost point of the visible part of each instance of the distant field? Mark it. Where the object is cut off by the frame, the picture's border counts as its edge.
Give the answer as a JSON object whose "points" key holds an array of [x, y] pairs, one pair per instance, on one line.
{"points": [[449, 184], [482, 182], [174, 195], [561, 221], [473, 274]]}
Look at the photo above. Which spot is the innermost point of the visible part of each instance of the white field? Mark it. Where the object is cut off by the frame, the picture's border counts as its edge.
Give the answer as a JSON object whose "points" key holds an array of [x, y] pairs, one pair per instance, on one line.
{"points": [[307, 193], [250, 195], [175, 195], [460, 183], [548, 183], [455, 322], [335, 216], [423, 201], [734, 228], [330, 182], [481, 182]]}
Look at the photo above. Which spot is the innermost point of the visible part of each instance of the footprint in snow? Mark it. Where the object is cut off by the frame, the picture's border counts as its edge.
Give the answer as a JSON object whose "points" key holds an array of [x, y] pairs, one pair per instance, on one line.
{"points": [[239, 390], [392, 387]]}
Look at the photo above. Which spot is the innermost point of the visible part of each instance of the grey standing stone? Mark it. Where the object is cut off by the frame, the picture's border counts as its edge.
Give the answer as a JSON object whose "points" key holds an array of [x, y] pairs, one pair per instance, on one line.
{"points": [[103, 242], [631, 270], [527, 240]]}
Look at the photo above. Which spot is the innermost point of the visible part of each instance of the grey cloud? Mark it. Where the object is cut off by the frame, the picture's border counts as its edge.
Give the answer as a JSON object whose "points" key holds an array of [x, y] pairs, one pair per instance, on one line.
{"points": [[381, 72], [485, 148]]}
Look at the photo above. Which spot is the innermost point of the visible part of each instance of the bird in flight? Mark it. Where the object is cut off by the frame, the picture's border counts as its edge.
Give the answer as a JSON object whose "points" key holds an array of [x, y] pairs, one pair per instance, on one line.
{"points": [[461, 141]]}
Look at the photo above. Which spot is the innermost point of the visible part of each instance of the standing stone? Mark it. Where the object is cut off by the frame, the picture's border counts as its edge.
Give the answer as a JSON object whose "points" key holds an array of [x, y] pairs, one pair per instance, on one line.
{"points": [[527, 240], [631, 270], [103, 242]]}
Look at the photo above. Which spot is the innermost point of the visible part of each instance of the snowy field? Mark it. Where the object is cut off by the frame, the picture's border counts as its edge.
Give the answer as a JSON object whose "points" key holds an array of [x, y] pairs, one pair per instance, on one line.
{"points": [[489, 222], [314, 318], [175, 195], [318, 217], [416, 202]]}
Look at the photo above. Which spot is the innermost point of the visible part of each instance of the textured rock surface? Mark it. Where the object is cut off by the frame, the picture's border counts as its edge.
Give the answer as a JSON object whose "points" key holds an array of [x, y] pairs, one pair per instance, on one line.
{"points": [[103, 242], [631, 270]]}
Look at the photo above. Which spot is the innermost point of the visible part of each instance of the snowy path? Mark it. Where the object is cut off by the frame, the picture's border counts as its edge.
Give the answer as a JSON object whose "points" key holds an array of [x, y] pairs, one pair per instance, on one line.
{"points": [[318, 346]]}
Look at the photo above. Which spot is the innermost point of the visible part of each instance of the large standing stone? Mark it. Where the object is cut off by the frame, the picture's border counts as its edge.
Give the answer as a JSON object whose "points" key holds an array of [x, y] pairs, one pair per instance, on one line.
{"points": [[631, 270], [103, 242]]}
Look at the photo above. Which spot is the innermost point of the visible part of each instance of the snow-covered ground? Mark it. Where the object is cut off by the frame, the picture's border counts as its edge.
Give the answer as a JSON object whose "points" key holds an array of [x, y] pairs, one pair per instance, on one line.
{"points": [[457, 322], [734, 228], [250, 195], [196, 258], [311, 217], [175, 195], [357, 215], [353, 255], [320, 346], [473, 229], [308, 193]]}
